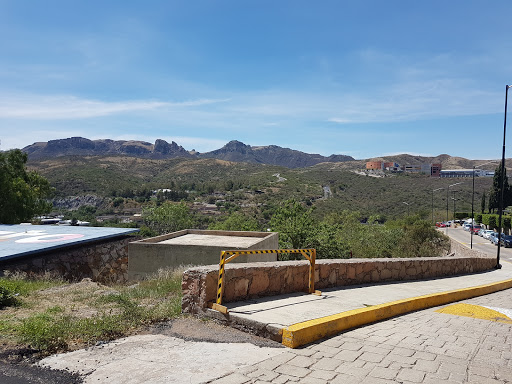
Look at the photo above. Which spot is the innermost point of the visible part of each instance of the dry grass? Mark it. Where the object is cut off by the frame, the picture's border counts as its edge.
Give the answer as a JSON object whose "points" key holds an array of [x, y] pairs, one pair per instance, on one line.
{"points": [[55, 316]]}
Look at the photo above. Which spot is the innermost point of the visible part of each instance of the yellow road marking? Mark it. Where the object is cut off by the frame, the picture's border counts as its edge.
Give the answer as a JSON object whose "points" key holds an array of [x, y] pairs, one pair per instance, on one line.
{"points": [[475, 311]]}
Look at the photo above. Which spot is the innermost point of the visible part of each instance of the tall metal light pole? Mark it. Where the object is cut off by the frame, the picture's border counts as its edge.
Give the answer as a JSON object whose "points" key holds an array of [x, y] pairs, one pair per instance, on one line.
{"points": [[434, 190], [473, 198], [502, 181], [448, 197], [454, 200]]}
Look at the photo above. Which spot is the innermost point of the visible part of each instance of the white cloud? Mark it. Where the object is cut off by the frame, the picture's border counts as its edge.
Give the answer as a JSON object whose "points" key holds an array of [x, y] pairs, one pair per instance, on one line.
{"points": [[396, 153], [71, 107]]}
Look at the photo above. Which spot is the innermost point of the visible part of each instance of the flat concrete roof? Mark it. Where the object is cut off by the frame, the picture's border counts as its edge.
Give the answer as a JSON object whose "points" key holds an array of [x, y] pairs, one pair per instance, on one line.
{"points": [[22, 240], [213, 240]]}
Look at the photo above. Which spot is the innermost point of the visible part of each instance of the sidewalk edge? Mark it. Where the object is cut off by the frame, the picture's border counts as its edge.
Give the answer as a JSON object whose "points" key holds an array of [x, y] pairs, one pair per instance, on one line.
{"points": [[308, 331]]}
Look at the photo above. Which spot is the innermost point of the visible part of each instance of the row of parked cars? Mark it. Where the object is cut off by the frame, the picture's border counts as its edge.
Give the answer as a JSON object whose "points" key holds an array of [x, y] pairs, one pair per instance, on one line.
{"points": [[489, 234]]}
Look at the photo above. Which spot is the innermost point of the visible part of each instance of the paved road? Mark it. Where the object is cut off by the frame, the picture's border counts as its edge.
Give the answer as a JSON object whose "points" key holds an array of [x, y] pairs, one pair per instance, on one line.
{"points": [[422, 347], [479, 243]]}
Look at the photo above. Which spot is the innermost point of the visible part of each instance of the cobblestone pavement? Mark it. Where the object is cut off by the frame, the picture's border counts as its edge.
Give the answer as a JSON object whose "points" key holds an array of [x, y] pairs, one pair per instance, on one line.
{"points": [[421, 347]]}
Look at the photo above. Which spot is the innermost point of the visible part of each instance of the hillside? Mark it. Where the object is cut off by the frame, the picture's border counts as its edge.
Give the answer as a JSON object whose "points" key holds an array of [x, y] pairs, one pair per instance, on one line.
{"points": [[245, 176], [249, 185]]}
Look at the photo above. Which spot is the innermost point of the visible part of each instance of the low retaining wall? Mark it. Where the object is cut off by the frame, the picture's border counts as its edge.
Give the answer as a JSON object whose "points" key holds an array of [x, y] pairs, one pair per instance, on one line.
{"points": [[245, 281], [104, 261], [463, 251]]}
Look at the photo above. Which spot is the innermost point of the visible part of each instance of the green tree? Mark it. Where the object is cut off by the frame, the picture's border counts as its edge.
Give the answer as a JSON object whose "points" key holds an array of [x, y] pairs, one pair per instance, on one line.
{"points": [[328, 242], [494, 194], [493, 222], [23, 194], [482, 204], [295, 224], [236, 222], [168, 217], [422, 240], [506, 223]]}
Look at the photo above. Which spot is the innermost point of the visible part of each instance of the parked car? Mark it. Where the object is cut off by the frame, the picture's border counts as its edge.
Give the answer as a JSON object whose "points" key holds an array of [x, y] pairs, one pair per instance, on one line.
{"points": [[494, 237], [506, 241], [475, 228], [466, 226], [487, 234], [440, 224], [481, 232]]}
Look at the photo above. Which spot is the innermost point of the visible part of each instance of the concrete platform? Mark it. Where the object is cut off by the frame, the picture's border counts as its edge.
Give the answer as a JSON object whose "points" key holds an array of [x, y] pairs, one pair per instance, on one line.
{"points": [[213, 241], [298, 319], [195, 247]]}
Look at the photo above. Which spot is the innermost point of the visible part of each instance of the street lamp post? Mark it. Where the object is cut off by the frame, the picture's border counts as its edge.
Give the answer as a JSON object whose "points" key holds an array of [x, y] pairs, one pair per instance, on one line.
{"points": [[502, 181], [434, 190], [448, 197], [473, 199], [454, 200]]}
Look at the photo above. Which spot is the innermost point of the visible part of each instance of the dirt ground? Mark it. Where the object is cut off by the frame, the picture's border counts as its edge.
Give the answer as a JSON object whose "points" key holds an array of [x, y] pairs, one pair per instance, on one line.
{"points": [[16, 362]]}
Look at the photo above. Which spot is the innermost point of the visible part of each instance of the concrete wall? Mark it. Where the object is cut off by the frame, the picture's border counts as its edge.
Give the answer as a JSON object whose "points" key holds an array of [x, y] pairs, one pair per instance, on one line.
{"points": [[149, 255], [246, 281], [103, 261]]}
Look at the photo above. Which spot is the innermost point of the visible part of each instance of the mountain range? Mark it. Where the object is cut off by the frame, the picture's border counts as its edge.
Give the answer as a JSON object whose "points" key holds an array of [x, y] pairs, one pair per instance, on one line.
{"points": [[233, 151]]}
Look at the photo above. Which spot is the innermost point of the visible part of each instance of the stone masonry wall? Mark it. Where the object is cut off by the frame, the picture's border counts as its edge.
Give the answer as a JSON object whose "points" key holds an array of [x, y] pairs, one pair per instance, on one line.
{"points": [[105, 262], [251, 280]]}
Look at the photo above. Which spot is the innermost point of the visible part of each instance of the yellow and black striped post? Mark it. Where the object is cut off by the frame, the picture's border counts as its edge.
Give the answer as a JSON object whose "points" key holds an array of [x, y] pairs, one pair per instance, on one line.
{"points": [[220, 285], [228, 256]]}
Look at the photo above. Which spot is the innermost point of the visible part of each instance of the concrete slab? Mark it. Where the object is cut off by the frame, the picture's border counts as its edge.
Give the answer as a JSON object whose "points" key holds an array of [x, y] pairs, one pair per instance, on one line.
{"points": [[159, 359], [366, 303], [213, 240]]}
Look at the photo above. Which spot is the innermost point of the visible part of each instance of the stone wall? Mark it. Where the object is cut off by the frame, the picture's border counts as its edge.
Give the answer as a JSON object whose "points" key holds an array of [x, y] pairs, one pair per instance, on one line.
{"points": [[104, 261], [252, 280]]}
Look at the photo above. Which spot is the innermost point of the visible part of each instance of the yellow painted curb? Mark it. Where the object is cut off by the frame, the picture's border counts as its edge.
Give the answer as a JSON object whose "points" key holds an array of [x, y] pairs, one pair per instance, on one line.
{"points": [[308, 331]]}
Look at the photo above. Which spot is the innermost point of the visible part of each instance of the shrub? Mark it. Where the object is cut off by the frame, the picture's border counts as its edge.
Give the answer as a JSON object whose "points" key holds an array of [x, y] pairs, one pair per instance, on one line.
{"points": [[294, 222], [168, 217], [7, 297], [492, 220], [236, 222]]}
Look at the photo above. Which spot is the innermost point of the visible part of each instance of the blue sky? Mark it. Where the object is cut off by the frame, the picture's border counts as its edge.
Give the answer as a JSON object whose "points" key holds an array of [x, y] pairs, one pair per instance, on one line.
{"points": [[362, 78]]}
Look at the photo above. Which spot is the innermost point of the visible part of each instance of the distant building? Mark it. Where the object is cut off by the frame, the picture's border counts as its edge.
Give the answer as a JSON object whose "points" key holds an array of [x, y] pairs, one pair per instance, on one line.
{"points": [[374, 165], [435, 170], [466, 173], [383, 166], [412, 168], [429, 169], [391, 166]]}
